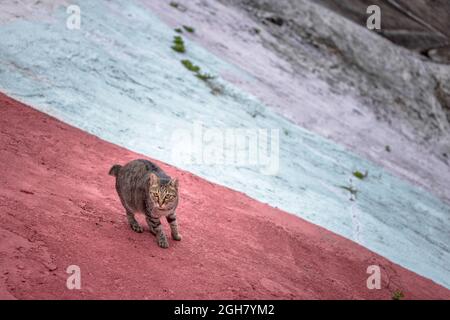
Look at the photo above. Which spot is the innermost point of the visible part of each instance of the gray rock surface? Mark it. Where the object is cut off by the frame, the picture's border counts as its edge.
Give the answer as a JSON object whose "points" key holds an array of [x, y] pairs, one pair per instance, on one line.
{"points": [[420, 25], [401, 88]]}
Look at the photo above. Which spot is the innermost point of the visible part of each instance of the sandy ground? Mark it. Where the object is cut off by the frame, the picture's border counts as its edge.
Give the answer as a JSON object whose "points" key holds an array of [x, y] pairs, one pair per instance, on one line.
{"points": [[59, 208]]}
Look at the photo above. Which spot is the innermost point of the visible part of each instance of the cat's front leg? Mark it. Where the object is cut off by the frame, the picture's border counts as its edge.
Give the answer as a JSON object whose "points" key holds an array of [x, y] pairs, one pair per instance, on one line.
{"points": [[172, 220], [155, 227], [133, 223]]}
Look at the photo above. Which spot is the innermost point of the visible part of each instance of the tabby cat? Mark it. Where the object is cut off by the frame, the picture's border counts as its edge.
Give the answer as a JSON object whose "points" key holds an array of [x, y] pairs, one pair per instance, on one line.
{"points": [[144, 187]]}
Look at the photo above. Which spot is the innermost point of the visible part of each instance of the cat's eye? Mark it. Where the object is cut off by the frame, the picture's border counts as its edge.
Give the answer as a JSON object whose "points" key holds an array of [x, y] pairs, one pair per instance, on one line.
{"points": [[155, 195]]}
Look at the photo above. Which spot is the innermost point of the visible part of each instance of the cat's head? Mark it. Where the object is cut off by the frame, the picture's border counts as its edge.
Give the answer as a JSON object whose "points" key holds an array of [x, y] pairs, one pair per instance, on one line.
{"points": [[163, 193]]}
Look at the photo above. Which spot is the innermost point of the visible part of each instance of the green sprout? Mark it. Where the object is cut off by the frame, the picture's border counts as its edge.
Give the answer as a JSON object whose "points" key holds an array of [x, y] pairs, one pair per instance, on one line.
{"points": [[204, 76], [189, 29], [397, 295], [178, 44], [190, 66], [360, 175], [178, 6]]}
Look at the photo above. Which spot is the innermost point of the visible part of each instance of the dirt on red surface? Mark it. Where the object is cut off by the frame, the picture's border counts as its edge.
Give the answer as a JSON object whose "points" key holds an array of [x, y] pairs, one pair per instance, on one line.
{"points": [[58, 207]]}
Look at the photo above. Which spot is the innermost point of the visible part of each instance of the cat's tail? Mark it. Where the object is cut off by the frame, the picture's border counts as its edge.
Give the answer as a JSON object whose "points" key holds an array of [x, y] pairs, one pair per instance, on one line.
{"points": [[114, 171]]}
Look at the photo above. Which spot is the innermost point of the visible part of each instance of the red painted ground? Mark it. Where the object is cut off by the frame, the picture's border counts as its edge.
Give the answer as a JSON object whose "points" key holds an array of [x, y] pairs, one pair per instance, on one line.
{"points": [[58, 207]]}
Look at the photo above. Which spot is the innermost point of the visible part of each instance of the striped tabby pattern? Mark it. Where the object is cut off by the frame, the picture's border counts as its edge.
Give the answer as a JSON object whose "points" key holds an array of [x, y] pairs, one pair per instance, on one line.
{"points": [[144, 187]]}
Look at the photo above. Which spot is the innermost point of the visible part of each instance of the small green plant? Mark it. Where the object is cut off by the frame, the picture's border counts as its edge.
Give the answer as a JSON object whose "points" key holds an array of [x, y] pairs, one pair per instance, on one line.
{"points": [[178, 30], [189, 29], [204, 76], [178, 40], [178, 44], [360, 175], [178, 48], [190, 66], [178, 6], [397, 295]]}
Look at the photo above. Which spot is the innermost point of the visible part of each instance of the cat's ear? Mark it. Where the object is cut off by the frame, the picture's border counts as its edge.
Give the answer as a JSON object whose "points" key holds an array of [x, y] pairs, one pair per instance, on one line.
{"points": [[174, 183], [154, 180]]}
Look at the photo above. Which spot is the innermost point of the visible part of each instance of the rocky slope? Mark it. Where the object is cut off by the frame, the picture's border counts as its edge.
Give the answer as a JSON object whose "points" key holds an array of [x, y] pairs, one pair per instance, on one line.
{"points": [[59, 208], [402, 97], [287, 65]]}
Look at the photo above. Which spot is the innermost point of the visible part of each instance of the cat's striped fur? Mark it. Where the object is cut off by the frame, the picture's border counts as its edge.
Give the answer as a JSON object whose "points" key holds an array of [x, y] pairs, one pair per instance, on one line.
{"points": [[144, 187]]}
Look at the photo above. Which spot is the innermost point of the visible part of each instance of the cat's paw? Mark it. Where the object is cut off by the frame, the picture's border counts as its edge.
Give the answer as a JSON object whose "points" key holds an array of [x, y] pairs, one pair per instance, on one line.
{"points": [[176, 237], [162, 241], [136, 228]]}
